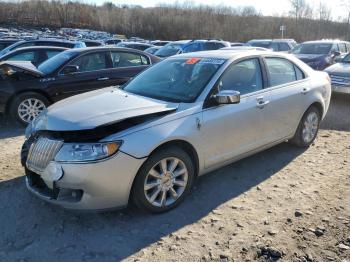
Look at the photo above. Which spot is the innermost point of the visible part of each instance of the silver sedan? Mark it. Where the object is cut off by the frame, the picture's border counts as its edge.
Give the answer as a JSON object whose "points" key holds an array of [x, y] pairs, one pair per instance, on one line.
{"points": [[146, 142]]}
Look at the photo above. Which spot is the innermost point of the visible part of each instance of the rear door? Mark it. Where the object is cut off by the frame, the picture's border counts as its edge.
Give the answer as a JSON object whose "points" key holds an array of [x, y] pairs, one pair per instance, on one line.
{"points": [[126, 65], [285, 98], [93, 74]]}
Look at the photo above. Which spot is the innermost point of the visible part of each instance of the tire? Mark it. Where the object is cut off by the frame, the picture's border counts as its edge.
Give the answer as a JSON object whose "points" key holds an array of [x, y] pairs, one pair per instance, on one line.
{"points": [[300, 138], [169, 182], [31, 101]]}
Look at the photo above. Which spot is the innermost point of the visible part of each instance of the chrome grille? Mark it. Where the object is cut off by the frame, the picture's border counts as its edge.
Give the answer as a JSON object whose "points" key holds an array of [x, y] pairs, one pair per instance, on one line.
{"points": [[41, 152], [340, 80]]}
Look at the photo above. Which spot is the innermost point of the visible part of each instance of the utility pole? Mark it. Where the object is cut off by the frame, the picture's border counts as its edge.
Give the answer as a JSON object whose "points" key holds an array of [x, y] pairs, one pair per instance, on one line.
{"points": [[282, 29]]}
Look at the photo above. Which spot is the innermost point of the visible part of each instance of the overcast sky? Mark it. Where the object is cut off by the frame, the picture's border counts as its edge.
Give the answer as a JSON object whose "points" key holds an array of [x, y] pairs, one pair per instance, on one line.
{"points": [[266, 7]]}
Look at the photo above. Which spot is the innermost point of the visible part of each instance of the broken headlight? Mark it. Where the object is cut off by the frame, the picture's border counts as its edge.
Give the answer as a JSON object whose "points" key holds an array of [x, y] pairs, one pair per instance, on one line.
{"points": [[83, 152]]}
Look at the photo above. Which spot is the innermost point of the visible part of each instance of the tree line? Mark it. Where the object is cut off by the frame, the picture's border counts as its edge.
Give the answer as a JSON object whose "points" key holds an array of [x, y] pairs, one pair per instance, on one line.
{"points": [[176, 21]]}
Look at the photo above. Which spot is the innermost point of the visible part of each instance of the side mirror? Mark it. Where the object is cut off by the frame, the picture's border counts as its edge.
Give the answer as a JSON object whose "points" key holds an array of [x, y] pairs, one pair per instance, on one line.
{"points": [[227, 97], [70, 69], [336, 53]]}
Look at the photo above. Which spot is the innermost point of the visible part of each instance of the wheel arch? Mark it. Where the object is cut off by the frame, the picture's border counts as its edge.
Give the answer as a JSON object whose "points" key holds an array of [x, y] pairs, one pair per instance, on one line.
{"points": [[182, 144], [12, 98]]}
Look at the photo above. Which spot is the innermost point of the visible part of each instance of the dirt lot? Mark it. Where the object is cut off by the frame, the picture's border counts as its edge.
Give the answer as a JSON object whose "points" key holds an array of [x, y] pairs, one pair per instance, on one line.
{"points": [[283, 204]]}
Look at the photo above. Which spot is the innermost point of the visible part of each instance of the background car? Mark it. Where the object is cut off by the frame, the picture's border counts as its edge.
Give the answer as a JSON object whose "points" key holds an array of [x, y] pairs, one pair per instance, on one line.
{"points": [[112, 41], [241, 48], [152, 50], [26, 90], [321, 54], [36, 54], [7, 42], [159, 42], [232, 44], [135, 45], [92, 43], [340, 75], [204, 45], [43, 42], [172, 48], [277, 45]]}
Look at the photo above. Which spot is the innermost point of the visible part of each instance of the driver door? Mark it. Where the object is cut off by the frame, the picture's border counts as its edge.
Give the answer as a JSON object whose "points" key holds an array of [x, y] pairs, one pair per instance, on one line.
{"points": [[234, 129]]}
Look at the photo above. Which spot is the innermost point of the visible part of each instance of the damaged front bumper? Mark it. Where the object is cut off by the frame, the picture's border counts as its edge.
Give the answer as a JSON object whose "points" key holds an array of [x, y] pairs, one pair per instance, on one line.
{"points": [[88, 186]]}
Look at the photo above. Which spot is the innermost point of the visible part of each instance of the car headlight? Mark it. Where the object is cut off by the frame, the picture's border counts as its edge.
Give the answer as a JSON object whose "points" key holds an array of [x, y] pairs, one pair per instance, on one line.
{"points": [[83, 152], [29, 130]]}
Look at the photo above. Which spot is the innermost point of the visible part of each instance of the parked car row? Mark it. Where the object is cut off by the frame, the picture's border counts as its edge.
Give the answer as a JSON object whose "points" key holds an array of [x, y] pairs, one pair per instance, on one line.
{"points": [[137, 136]]}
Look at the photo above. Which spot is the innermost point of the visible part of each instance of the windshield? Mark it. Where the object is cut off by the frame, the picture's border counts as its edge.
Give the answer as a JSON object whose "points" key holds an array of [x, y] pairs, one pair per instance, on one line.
{"points": [[168, 50], [312, 49], [346, 59], [55, 62], [175, 80]]}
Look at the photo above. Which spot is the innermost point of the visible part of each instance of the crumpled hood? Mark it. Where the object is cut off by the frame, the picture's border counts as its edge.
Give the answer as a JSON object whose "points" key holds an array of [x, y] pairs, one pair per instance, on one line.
{"points": [[341, 69], [97, 108], [309, 57]]}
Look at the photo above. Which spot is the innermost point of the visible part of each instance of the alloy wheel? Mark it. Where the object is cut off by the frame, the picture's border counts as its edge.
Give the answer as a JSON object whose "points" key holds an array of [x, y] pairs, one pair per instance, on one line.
{"points": [[165, 182], [29, 109], [310, 127]]}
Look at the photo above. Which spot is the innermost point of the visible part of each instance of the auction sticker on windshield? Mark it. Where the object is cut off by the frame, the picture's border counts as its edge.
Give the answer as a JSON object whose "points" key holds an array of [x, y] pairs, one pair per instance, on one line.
{"points": [[213, 61]]}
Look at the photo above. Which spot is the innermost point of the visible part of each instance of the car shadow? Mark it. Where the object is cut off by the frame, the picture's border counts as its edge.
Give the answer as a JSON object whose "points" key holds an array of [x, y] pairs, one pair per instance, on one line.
{"points": [[30, 224], [9, 129]]}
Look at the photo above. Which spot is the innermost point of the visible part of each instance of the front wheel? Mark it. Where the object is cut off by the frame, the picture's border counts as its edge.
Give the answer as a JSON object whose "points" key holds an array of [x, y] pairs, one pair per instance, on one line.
{"points": [[308, 128], [164, 180], [27, 106]]}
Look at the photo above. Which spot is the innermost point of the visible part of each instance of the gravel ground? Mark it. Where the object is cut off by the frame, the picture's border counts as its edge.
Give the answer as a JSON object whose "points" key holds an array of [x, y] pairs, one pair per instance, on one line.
{"points": [[283, 204]]}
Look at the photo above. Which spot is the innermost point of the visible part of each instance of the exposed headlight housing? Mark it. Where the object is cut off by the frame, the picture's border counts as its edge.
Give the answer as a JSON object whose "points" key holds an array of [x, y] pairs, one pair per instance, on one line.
{"points": [[85, 152]]}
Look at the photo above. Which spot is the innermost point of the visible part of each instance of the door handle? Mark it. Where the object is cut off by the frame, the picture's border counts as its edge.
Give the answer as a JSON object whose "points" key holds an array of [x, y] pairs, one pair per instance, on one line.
{"points": [[261, 103], [305, 90], [102, 78]]}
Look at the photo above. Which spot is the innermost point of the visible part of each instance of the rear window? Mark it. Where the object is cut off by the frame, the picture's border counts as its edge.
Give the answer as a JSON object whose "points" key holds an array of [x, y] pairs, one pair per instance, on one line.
{"points": [[124, 59], [282, 71]]}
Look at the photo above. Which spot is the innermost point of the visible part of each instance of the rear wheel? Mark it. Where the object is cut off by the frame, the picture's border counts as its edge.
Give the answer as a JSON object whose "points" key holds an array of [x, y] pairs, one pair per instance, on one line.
{"points": [[27, 106], [164, 180], [308, 128]]}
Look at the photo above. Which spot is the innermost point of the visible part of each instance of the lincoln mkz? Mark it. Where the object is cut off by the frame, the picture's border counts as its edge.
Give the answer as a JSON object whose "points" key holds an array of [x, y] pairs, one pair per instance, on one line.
{"points": [[147, 141]]}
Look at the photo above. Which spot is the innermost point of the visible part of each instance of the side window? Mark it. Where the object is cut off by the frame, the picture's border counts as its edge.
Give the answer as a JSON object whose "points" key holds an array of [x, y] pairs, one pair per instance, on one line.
{"points": [[284, 47], [244, 77], [274, 46], [51, 53], [124, 59], [192, 48], [280, 71], [26, 56], [299, 74], [342, 47], [91, 62], [210, 46], [347, 47], [335, 47]]}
